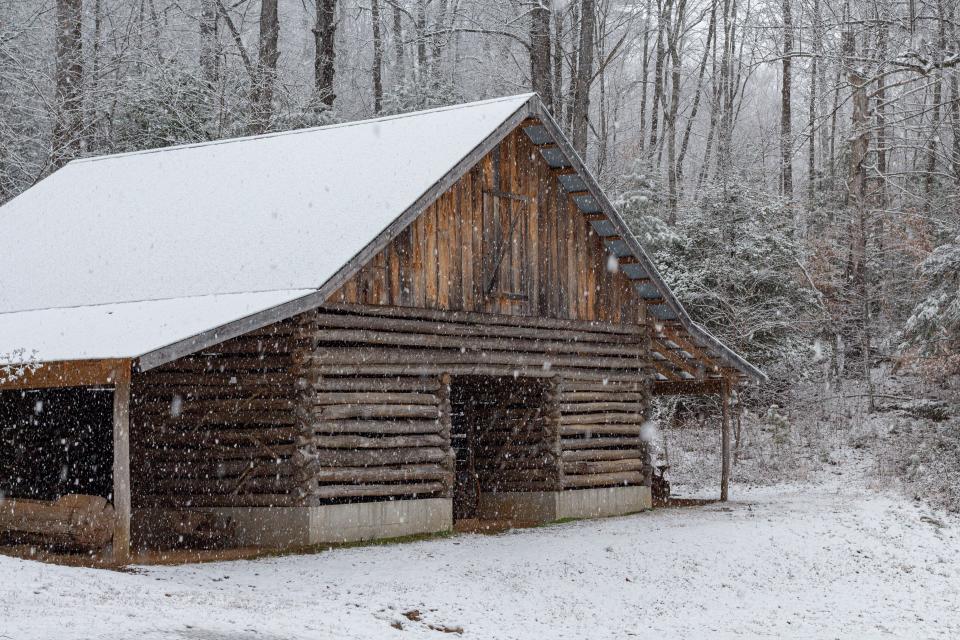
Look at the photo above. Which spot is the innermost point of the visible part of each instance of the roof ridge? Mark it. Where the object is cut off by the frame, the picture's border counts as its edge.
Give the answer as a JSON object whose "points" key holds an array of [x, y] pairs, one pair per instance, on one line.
{"points": [[275, 134]]}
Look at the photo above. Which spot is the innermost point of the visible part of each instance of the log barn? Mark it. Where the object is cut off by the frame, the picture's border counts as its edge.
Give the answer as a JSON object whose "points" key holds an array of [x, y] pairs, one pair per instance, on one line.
{"points": [[350, 332]]}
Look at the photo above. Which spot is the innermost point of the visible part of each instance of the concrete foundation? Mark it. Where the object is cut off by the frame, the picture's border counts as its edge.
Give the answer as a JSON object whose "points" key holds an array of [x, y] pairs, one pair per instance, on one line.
{"points": [[547, 506], [292, 527]]}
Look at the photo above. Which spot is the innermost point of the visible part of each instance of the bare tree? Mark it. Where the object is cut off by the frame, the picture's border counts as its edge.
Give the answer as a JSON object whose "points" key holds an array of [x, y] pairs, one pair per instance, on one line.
{"points": [[324, 68], [266, 76], [786, 134], [68, 106], [377, 57], [584, 77], [541, 80]]}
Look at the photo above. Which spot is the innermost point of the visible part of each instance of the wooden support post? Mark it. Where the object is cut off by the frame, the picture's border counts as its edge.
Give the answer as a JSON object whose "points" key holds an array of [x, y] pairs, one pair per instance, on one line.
{"points": [[121, 464], [725, 441]]}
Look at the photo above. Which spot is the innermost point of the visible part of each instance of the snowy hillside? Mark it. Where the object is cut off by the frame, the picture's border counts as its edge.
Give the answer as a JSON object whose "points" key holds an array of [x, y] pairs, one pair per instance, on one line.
{"points": [[797, 561]]}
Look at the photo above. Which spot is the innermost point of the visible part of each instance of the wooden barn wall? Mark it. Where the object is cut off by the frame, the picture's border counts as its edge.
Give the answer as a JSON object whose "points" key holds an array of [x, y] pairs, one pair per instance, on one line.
{"points": [[352, 401], [586, 435], [551, 264], [220, 427]]}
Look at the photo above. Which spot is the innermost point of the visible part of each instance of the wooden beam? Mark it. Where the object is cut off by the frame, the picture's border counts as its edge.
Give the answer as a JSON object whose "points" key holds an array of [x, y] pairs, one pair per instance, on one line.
{"points": [[686, 387], [725, 441], [673, 358], [66, 373], [688, 346], [121, 465]]}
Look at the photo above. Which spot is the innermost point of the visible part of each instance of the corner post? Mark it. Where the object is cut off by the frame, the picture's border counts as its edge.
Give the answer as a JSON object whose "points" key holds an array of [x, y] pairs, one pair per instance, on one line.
{"points": [[725, 440], [121, 463]]}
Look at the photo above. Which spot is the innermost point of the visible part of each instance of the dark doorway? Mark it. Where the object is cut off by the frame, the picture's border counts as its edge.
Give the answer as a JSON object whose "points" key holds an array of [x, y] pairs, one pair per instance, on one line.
{"points": [[498, 435], [54, 442]]}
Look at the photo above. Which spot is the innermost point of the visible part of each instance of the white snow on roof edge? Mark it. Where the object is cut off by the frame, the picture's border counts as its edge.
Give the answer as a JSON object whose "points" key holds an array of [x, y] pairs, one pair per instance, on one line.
{"points": [[124, 330]]}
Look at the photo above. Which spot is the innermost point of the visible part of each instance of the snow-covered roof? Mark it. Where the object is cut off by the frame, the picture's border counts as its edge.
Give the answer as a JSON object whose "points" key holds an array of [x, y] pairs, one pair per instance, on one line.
{"points": [[114, 255], [127, 329]]}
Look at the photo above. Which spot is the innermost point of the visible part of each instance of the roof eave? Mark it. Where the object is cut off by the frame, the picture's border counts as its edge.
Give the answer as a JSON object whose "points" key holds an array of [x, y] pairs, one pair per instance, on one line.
{"points": [[720, 350]]}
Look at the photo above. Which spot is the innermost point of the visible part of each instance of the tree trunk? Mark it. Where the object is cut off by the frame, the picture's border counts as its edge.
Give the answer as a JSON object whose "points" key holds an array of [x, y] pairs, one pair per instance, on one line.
{"points": [[377, 57], [398, 49], [266, 66], [725, 442], [420, 25], [209, 43], [541, 80], [684, 145], [786, 134], [558, 64], [817, 46], [934, 135], [581, 102], [325, 52], [670, 116], [663, 21], [68, 106], [644, 73], [954, 104], [857, 193]]}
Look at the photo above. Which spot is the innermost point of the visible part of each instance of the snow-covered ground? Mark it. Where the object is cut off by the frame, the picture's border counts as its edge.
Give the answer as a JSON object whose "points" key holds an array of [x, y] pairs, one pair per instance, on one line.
{"points": [[796, 561]]}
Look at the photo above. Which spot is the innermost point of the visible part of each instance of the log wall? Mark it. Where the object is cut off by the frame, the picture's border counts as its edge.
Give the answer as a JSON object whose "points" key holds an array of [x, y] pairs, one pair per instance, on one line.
{"points": [[221, 427]]}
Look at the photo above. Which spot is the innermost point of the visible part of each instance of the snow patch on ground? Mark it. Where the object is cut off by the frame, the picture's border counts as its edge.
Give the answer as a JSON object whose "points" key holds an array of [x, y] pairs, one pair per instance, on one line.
{"points": [[796, 561]]}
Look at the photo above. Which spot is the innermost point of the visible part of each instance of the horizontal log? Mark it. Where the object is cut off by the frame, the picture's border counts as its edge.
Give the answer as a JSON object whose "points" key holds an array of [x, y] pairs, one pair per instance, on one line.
{"points": [[255, 345], [242, 486], [334, 491], [600, 429], [601, 418], [375, 398], [212, 452], [612, 395], [380, 474], [253, 437], [236, 420], [599, 467], [395, 383], [174, 379], [610, 405], [599, 454], [473, 318], [600, 443], [638, 385], [369, 355], [473, 370], [237, 365], [343, 411], [73, 521], [383, 442], [211, 469], [226, 500], [381, 457], [382, 427], [602, 480], [181, 405], [546, 343]]}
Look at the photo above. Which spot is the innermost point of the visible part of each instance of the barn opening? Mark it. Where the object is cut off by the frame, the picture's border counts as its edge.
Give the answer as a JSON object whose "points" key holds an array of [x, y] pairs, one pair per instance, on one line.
{"points": [[55, 442], [499, 437]]}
